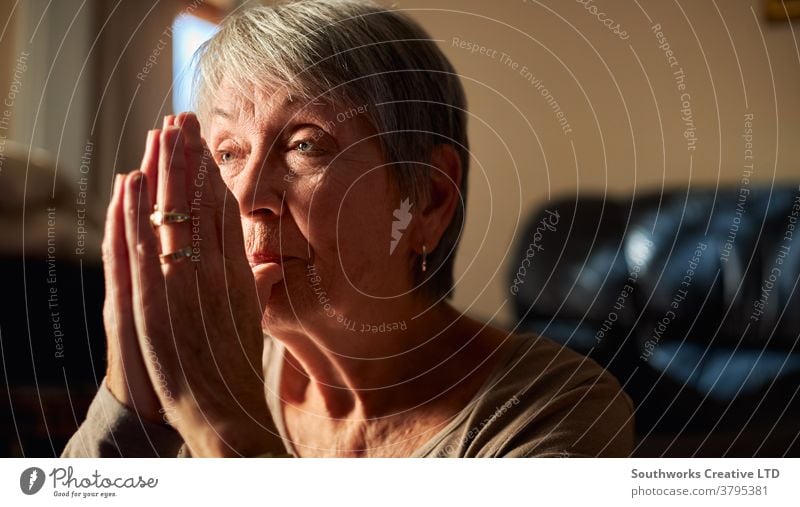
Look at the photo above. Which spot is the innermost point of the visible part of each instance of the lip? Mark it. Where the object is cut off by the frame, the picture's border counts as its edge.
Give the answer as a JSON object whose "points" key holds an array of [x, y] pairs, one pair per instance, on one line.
{"points": [[256, 259]]}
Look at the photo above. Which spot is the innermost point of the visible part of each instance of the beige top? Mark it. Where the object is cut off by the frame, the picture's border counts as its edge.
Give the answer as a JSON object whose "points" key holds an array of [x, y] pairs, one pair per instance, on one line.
{"points": [[542, 400]]}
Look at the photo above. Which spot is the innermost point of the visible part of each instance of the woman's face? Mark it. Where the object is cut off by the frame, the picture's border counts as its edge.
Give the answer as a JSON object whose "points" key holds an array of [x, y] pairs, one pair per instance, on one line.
{"points": [[314, 191]]}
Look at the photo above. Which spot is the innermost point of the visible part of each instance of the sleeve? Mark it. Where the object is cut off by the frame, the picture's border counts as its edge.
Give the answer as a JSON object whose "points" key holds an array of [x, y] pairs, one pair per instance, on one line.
{"points": [[112, 430], [592, 419]]}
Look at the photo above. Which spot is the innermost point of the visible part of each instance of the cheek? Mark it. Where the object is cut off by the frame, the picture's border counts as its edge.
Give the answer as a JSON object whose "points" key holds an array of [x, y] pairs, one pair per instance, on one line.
{"points": [[351, 233], [227, 178]]}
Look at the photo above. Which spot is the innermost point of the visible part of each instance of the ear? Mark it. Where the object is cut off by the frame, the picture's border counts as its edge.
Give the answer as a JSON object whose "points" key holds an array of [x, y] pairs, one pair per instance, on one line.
{"points": [[443, 198]]}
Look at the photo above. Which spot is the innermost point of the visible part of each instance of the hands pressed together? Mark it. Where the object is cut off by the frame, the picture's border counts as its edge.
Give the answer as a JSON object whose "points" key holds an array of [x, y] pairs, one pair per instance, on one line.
{"points": [[182, 315]]}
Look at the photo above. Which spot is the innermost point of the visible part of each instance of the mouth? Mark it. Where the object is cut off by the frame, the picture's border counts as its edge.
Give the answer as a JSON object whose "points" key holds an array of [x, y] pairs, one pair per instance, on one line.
{"points": [[258, 258]]}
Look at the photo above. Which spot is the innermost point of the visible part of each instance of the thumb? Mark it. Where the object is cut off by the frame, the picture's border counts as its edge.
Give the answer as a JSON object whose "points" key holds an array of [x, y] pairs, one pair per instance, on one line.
{"points": [[267, 277]]}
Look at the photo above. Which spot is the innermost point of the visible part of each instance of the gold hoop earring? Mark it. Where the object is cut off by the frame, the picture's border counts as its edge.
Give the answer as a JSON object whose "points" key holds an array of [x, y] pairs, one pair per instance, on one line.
{"points": [[424, 258]]}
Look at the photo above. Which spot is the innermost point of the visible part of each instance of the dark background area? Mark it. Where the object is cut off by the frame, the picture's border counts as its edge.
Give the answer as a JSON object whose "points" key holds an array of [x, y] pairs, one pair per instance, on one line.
{"points": [[46, 397]]}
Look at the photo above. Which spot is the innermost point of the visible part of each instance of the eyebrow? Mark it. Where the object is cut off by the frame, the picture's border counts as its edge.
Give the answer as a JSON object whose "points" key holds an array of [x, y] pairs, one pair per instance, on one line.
{"points": [[221, 112]]}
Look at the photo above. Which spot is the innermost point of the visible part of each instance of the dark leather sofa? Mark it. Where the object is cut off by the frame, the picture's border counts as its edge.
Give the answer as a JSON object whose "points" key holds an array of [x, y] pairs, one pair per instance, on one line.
{"points": [[689, 297]]}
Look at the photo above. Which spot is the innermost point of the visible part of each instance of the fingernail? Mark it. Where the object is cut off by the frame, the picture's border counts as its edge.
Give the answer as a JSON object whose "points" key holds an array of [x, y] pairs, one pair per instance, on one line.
{"points": [[152, 139], [136, 180], [180, 120], [117, 182], [173, 139], [148, 146]]}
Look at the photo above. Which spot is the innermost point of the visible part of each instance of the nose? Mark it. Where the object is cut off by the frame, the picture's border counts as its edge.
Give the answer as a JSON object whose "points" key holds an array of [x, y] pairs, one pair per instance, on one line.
{"points": [[259, 188]]}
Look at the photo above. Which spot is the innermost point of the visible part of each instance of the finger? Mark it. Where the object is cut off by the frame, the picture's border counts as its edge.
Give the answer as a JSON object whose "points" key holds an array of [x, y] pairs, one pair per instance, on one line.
{"points": [[180, 118], [172, 190], [227, 215], [127, 376], [197, 158], [150, 163], [115, 253], [117, 279], [168, 121], [146, 277], [149, 300], [199, 191], [230, 226]]}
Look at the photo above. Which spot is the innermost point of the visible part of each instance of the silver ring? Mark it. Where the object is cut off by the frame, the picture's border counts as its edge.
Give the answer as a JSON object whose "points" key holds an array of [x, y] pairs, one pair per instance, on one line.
{"points": [[176, 256], [159, 218]]}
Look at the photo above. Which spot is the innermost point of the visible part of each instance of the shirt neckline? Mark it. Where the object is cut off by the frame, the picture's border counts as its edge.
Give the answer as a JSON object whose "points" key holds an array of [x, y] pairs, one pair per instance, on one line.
{"points": [[276, 372], [498, 369]]}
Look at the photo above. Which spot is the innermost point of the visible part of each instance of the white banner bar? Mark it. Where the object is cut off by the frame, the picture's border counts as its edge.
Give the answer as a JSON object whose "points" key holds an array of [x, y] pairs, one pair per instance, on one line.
{"points": [[399, 482]]}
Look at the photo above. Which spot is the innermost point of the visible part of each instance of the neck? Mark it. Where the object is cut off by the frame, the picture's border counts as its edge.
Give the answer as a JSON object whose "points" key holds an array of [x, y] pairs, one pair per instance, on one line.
{"points": [[377, 373]]}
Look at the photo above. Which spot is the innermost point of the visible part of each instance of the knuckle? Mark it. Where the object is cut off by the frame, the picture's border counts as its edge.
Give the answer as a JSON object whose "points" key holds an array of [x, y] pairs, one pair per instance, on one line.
{"points": [[107, 252], [164, 137], [145, 250]]}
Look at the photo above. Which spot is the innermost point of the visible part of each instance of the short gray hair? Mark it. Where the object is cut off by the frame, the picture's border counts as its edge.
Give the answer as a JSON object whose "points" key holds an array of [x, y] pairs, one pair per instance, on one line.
{"points": [[355, 52]]}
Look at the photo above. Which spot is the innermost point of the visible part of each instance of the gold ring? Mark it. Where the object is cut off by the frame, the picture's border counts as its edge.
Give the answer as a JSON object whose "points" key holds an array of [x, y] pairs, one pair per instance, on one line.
{"points": [[176, 256], [159, 218]]}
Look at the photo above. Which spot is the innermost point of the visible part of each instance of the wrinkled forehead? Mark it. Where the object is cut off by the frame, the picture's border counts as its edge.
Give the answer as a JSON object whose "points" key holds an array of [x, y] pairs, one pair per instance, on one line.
{"points": [[259, 106]]}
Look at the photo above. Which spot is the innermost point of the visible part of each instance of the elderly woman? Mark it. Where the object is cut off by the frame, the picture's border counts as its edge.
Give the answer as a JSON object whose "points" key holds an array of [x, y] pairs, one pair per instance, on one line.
{"points": [[278, 284]]}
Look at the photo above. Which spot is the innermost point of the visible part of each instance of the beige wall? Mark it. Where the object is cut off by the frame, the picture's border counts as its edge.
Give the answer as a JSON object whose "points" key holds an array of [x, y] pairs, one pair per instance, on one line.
{"points": [[80, 106], [6, 45], [522, 156]]}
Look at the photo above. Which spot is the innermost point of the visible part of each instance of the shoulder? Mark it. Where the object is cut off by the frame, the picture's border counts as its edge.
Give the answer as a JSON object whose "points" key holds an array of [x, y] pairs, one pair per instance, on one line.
{"points": [[547, 400]]}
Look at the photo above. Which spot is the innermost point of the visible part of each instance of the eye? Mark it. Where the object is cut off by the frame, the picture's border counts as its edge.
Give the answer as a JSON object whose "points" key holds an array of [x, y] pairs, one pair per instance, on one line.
{"points": [[307, 147], [227, 153], [225, 157]]}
